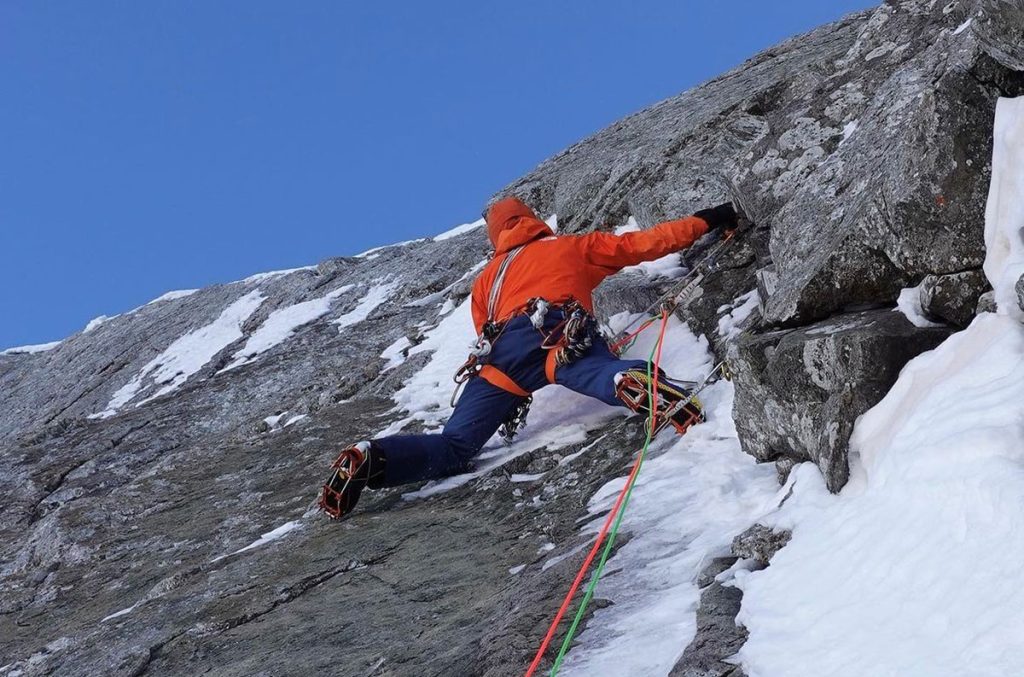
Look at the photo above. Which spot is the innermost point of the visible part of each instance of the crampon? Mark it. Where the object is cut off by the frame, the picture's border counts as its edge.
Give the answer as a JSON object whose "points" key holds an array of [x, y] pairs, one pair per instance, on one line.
{"points": [[675, 405], [352, 471]]}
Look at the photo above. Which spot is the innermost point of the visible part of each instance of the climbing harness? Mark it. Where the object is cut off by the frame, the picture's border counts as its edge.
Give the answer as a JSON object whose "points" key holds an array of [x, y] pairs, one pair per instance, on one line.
{"points": [[478, 353]]}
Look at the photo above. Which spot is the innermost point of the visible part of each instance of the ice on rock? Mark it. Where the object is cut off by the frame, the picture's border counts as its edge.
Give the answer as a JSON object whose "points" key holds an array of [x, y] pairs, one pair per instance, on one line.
{"points": [[174, 295], [31, 350], [459, 230]]}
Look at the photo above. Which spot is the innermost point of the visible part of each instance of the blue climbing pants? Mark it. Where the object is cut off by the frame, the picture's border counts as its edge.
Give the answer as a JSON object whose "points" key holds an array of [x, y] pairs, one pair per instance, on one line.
{"points": [[483, 407]]}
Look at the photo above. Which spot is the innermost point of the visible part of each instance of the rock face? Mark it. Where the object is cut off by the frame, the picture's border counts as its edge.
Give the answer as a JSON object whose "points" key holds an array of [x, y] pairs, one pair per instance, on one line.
{"points": [[804, 388], [953, 298], [987, 303], [139, 456], [718, 635], [862, 151], [856, 145], [760, 543]]}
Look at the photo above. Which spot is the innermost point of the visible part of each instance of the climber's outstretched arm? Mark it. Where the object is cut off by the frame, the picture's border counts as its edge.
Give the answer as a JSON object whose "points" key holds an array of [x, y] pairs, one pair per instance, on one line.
{"points": [[614, 252]]}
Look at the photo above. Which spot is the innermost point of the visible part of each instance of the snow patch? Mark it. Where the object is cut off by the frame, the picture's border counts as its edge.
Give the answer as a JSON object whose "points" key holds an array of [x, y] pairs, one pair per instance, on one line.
{"points": [[260, 277], [122, 612], [173, 296], [375, 296], [374, 252], [281, 324], [185, 356], [31, 350], [962, 27], [848, 130], [268, 537], [459, 230], [395, 353], [740, 310], [96, 322], [909, 303]]}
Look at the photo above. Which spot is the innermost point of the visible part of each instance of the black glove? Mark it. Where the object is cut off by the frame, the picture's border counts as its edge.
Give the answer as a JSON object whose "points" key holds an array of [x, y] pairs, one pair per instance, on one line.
{"points": [[724, 215]]}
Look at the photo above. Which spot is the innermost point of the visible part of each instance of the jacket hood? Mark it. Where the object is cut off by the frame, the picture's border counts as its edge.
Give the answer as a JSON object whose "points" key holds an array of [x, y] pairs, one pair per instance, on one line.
{"points": [[511, 223]]}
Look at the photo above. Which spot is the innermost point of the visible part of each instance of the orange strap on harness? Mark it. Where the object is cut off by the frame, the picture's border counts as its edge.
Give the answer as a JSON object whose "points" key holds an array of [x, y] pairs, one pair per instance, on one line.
{"points": [[497, 377], [550, 364]]}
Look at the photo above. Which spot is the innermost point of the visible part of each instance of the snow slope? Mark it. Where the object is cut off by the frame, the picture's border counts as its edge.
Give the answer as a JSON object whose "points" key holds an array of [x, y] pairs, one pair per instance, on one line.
{"points": [[694, 495], [915, 568], [697, 493]]}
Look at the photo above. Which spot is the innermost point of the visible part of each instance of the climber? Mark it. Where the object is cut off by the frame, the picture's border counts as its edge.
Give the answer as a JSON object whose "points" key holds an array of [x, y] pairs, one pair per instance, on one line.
{"points": [[532, 310]]}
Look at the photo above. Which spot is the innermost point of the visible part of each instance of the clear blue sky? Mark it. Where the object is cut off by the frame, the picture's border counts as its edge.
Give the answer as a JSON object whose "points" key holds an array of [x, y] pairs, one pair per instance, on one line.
{"points": [[149, 146]]}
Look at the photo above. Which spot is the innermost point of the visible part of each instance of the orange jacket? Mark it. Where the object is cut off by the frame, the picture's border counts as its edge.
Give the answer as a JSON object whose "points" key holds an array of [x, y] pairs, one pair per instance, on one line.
{"points": [[556, 268]]}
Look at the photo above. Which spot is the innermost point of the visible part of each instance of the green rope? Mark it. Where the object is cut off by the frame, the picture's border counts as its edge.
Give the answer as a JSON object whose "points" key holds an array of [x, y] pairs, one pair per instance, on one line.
{"points": [[612, 534]]}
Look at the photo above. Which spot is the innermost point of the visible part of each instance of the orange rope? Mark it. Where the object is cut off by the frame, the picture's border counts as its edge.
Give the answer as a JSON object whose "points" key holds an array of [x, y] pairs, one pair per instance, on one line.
{"points": [[637, 463]]}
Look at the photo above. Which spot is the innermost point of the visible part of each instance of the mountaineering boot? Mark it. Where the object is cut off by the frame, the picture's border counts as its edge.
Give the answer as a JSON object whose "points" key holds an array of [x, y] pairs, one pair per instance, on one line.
{"points": [[675, 405], [355, 468]]}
